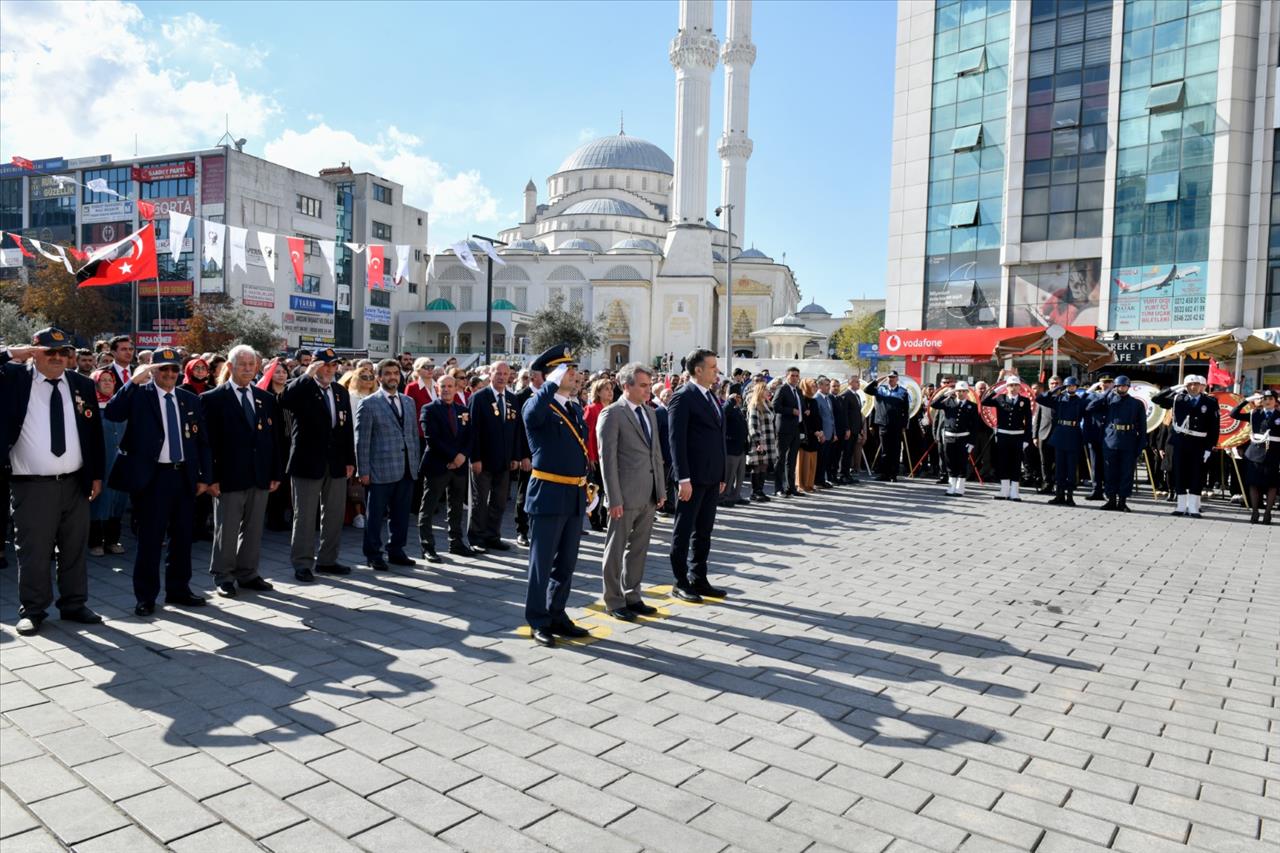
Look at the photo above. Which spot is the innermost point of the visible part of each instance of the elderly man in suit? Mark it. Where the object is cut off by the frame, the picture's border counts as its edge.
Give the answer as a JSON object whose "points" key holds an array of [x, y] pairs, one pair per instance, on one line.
{"points": [[53, 437], [494, 434], [634, 488], [246, 468], [387, 458], [698, 453], [164, 464], [322, 455], [447, 426]]}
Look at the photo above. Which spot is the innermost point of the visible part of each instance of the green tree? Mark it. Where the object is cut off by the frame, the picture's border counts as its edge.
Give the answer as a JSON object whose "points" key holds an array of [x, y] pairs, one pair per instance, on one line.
{"points": [[218, 323], [860, 329], [17, 326], [45, 289], [552, 324]]}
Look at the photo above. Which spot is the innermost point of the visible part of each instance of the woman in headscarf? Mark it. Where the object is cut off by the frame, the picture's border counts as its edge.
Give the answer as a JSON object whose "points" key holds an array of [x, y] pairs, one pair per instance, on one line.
{"points": [[196, 378], [279, 502], [106, 513]]}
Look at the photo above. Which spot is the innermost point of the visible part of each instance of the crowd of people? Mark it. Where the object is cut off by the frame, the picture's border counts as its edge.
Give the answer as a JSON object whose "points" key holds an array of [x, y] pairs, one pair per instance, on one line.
{"points": [[222, 446]]}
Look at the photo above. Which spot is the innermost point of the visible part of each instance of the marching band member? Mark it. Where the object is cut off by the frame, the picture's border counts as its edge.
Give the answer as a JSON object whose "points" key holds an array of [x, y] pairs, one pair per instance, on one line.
{"points": [[959, 422], [1067, 404], [1194, 436], [1262, 458], [1013, 434], [1124, 435]]}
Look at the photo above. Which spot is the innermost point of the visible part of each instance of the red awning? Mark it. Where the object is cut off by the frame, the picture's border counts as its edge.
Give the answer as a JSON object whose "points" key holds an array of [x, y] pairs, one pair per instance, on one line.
{"points": [[975, 343]]}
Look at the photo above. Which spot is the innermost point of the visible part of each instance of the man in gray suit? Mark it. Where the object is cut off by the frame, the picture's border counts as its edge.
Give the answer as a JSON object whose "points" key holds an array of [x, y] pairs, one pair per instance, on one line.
{"points": [[387, 457], [634, 487]]}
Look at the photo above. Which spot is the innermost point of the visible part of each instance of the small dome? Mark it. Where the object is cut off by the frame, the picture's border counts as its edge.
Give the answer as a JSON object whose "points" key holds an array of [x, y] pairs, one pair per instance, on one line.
{"points": [[603, 207], [440, 305], [525, 246], [579, 244], [636, 244], [504, 305], [752, 254], [814, 308], [619, 152]]}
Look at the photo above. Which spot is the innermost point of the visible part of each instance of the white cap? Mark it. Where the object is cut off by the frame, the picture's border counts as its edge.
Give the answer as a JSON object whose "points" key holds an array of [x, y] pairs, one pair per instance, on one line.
{"points": [[1013, 380], [1194, 378], [962, 386]]}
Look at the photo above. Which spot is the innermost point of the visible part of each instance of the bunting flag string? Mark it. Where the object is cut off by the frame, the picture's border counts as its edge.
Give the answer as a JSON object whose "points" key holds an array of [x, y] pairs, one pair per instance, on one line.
{"points": [[431, 264], [215, 234], [463, 251], [375, 269], [58, 254], [493, 255], [178, 224], [267, 246], [237, 240], [297, 248], [328, 249], [402, 263]]}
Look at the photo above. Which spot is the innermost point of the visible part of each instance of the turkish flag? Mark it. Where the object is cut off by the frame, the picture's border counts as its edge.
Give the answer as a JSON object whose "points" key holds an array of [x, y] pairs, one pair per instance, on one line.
{"points": [[374, 270], [146, 209], [23, 163], [131, 259], [21, 247], [297, 250], [1218, 376]]}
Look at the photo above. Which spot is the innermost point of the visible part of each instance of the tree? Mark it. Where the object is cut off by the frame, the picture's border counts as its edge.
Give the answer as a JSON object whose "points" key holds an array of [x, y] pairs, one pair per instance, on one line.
{"points": [[218, 323], [17, 326], [50, 292], [860, 329], [552, 324]]}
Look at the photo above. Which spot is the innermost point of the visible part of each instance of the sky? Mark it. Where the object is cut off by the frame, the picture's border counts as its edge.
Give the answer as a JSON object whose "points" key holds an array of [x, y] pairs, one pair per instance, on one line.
{"points": [[463, 103]]}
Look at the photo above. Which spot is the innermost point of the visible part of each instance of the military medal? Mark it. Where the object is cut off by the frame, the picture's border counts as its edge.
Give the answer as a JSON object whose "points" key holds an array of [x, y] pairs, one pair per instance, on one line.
{"points": [[463, 417], [495, 408]]}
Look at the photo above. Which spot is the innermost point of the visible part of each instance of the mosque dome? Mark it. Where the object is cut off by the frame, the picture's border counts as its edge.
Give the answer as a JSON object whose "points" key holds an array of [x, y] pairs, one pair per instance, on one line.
{"points": [[440, 305], [578, 244], [752, 254], [636, 244], [619, 152], [534, 246], [603, 207], [814, 308], [504, 305]]}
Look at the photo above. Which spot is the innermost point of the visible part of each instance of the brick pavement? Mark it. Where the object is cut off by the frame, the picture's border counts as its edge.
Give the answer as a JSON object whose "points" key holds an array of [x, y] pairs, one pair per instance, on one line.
{"points": [[894, 671]]}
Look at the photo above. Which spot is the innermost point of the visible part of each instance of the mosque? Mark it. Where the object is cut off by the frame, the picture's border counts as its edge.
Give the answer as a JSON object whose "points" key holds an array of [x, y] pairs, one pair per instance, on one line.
{"points": [[624, 233]]}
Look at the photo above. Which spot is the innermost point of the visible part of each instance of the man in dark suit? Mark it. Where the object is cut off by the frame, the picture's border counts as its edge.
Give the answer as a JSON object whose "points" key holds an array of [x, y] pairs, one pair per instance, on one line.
{"points": [[387, 457], [557, 495], [246, 468], [52, 435], [659, 404], [322, 455], [493, 457], [787, 405], [164, 464], [448, 430], [698, 454], [524, 455], [855, 429]]}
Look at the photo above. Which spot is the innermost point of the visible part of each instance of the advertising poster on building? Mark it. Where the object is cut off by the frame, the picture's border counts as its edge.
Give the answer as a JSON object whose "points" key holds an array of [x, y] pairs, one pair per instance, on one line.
{"points": [[304, 323], [102, 234], [46, 186], [213, 176], [181, 203], [1160, 296], [962, 291], [258, 296], [344, 297], [167, 288], [107, 211], [1062, 292], [375, 314]]}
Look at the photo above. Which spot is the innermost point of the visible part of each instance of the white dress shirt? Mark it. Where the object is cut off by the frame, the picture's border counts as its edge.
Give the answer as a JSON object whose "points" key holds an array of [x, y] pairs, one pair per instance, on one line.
{"points": [[394, 399], [165, 456], [31, 455]]}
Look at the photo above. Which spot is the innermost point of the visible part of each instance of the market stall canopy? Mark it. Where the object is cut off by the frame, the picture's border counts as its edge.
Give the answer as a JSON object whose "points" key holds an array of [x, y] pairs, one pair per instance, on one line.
{"points": [[1086, 351], [1222, 345]]}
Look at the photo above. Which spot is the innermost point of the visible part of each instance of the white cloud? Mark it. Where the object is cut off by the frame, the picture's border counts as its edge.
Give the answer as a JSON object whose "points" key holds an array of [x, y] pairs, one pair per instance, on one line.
{"points": [[190, 35], [451, 198], [587, 134], [83, 78]]}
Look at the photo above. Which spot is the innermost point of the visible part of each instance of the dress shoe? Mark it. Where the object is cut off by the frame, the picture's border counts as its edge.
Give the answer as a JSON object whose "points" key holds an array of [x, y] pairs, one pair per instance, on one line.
{"points": [[642, 609], [1178, 512], [1015, 500], [1189, 515], [569, 630], [999, 497], [1093, 496], [143, 610], [83, 615], [544, 637], [941, 481], [462, 549], [227, 590], [185, 599], [753, 497], [30, 625], [496, 545], [1110, 505], [702, 587], [624, 614], [114, 548], [335, 569], [259, 584], [401, 560], [1070, 500], [304, 575], [522, 540], [430, 555], [378, 564], [685, 593], [96, 551], [763, 498]]}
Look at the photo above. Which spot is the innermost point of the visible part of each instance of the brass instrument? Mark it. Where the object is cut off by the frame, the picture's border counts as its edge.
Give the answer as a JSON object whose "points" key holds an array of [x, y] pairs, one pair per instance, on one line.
{"points": [[1232, 433]]}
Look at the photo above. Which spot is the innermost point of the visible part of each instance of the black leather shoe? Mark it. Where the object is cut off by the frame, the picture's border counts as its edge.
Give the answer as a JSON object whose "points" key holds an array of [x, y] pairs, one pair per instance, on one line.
{"points": [[1110, 505], [185, 599], [431, 556], [304, 575], [569, 631], [642, 609], [685, 593], [702, 587], [544, 637], [335, 569], [763, 498], [401, 560], [30, 625], [1178, 512], [623, 613], [522, 540], [462, 549], [144, 610], [259, 584], [227, 590], [83, 615], [378, 564], [1093, 496], [496, 545]]}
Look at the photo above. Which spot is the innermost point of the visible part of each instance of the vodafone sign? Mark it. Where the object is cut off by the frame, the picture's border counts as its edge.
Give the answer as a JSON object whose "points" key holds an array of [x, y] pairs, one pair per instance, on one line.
{"points": [[957, 342]]}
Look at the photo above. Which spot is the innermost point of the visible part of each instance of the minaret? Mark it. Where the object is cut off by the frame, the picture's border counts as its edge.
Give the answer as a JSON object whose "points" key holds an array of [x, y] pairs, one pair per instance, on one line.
{"points": [[530, 201], [739, 55]]}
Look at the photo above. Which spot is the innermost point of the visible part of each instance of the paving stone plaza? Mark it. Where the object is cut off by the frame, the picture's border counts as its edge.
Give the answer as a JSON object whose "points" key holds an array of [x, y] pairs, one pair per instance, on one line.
{"points": [[894, 670]]}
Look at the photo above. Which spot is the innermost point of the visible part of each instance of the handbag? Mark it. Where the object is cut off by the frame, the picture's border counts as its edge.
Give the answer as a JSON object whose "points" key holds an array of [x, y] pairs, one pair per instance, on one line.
{"points": [[1256, 451]]}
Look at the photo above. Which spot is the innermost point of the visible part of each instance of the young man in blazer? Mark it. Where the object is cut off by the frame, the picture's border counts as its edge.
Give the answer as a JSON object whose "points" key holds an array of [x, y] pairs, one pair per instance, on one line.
{"points": [[387, 458]]}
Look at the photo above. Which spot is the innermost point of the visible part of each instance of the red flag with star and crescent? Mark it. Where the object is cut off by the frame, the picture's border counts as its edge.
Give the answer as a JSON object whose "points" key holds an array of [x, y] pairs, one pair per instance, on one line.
{"points": [[374, 270], [297, 252], [130, 259]]}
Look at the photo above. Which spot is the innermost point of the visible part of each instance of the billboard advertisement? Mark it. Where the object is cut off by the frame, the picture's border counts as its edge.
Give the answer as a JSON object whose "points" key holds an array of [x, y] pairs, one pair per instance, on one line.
{"points": [[1159, 296], [257, 296], [182, 204], [962, 291], [1062, 292], [107, 211], [213, 176], [45, 186], [170, 171]]}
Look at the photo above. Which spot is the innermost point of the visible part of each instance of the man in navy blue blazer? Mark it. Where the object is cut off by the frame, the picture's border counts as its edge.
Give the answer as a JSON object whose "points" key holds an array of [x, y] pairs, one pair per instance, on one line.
{"points": [[246, 468], [696, 422], [494, 434], [164, 464], [447, 429]]}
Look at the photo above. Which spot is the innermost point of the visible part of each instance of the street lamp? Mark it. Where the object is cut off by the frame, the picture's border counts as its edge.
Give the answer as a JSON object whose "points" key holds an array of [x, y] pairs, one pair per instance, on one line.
{"points": [[728, 289], [488, 300]]}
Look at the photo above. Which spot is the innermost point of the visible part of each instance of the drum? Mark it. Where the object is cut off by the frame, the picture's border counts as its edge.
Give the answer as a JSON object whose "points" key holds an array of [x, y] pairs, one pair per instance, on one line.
{"points": [[867, 401], [916, 393], [1144, 391], [1231, 432]]}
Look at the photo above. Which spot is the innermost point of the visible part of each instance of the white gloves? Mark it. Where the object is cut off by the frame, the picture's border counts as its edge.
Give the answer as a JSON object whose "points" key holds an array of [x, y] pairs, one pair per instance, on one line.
{"points": [[558, 374], [1206, 455], [968, 448]]}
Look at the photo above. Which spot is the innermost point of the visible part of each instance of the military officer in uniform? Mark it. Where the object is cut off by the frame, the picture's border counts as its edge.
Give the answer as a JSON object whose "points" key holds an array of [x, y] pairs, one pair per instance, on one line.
{"points": [[959, 425], [1066, 404], [557, 494], [1094, 427], [893, 404], [1124, 436], [1013, 434], [1195, 434]]}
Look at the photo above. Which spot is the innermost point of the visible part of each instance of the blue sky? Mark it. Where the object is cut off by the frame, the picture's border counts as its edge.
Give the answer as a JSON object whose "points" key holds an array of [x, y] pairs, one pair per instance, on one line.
{"points": [[465, 102]]}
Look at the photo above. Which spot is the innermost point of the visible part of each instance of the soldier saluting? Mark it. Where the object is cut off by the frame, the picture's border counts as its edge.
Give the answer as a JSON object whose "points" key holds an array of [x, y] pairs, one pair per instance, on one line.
{"points": [[1013, 434], [960, 421], [1067, 402], [1124, 434], [1195, 434]]}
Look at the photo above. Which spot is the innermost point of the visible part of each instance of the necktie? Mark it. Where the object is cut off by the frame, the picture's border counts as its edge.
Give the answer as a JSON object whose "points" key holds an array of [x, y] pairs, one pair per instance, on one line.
{"points": [[175, 432], [502, 406], [714, 405], [247, 405], [57, 422], [644, 426], [333, 412], [395, 407]]}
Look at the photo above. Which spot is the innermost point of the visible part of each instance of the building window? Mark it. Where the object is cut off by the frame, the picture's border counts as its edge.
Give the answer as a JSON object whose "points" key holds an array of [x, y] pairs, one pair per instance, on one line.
{"points": [[521, 299], [381, 231], [380, 298], [1167, 96], [464, 298], [967, 137], [308, 206], [413, 287], [382, 194], [310, 284], [379, 331], [417, 254], [117, 179], [11, 204]]}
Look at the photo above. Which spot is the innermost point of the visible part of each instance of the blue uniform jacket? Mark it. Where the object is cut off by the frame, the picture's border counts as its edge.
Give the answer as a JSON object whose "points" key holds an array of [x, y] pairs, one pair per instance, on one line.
{"points": [[138, 406], [442, 443], [1191, 416], [1068, 418], [1124, 419], [558, 449], [244, 456]]}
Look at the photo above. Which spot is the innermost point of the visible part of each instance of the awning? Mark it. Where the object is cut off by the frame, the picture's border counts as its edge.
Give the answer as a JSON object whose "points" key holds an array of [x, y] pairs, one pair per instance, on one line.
{"points": [[1257, 352], [1086, 351]]}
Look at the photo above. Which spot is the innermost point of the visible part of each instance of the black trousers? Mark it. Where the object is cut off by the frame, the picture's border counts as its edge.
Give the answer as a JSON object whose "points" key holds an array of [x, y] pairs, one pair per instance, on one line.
{"points": [[784, 475], [1008, 457], [1121, 465], [1048, 471], [848, 465], [522, 490], [5, 471], [1097, 453], [165, 511], [1188, 469], [453, 486], [695, 519], [828, 455], [890, 451], [954, 456]]}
